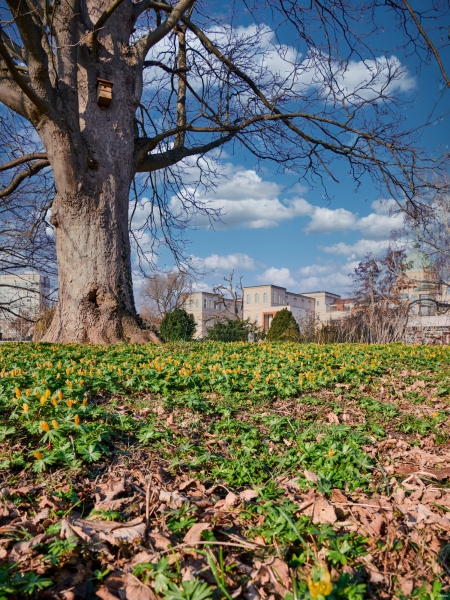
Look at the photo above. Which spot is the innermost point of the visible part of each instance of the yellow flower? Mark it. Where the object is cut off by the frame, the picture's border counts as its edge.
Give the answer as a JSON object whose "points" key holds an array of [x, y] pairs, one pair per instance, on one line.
{"points": [[69, 403], [26, 408], [60, 395], [55, 424], [435, 415], [54, 402], [69, 384], [44, 426], [18, 392], [47, 393], [322, 587], [84, 402], [331, 452], [77, 420], [38, 455], [28, 392], [43, 400], [58, 375]]}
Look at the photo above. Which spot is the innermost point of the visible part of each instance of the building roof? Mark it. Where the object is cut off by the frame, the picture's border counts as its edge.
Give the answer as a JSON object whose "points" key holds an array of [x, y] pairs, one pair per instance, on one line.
{"points": [[265, 285], [321, 292], [417, 261]]}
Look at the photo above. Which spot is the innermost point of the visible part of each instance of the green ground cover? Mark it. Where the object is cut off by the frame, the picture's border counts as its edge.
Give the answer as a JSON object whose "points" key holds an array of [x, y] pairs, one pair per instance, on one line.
{"points": [[229, 470]]}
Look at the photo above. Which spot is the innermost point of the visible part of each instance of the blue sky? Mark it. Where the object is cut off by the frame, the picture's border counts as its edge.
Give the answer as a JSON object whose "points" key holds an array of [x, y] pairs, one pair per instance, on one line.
{"points": [[277, 229]]}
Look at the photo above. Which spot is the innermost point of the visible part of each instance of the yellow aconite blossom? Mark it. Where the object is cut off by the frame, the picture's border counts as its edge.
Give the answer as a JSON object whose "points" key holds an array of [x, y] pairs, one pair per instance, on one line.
{"points": [[60, 395], [28, 392], [55, 424], [38, 455], [58, 375], [18, 392], [69, 384], [44, 426], [84, 402], [26, 408], [322, 587], [331, 452], [43, 400], [435, 415], [77, 420], [69, 403], [47, 393]]}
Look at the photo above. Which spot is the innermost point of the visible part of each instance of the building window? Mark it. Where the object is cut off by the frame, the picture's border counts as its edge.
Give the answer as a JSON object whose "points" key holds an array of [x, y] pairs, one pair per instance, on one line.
{"points": [[448, 291], [248, 299], [256, 298], [197, 303], [317, 303], [256, 319], [191, 303], [264, 297], [204, 302]]}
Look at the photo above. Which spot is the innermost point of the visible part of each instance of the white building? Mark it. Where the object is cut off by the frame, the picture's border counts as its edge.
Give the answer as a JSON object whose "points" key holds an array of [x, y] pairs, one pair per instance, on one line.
{"points": [[26, 295], [208, 308], [262, 302]]}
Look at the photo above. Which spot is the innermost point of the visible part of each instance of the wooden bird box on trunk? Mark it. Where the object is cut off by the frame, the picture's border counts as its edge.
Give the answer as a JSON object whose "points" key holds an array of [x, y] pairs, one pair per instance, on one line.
{"points": [[104, 92]]}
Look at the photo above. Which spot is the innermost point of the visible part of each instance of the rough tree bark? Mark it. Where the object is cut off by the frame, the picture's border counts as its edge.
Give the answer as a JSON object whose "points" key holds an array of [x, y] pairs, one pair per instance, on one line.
{"points": [[93, 164]]}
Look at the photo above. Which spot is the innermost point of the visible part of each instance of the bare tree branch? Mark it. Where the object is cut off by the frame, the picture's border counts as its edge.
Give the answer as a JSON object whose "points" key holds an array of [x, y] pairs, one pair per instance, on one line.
{"points": [[32, 170], [26, 89], [106, 15], [144, 45], [154, 162], [427, 39], [22, 159]]}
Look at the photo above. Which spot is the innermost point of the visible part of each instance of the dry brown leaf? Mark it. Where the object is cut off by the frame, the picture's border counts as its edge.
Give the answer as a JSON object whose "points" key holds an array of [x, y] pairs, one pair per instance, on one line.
{"points": [[332, 418], [337, 496], [126, 587], [323, 512], [193, 536], [106, 492], [311, 476], [172, 499], [112, 532], [374, 528], [406, 585], [247, 495], [160, 541], [186, 484]]}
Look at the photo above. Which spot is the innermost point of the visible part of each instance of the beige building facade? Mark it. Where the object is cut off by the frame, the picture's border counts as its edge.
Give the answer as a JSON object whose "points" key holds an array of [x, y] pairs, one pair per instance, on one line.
{"points": [[208, 308], [25, 295], [262, 302]]}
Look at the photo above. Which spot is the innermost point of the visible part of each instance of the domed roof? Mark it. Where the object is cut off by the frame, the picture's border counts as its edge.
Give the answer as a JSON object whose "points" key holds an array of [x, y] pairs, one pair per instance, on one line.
{"points": [[417, 261]]}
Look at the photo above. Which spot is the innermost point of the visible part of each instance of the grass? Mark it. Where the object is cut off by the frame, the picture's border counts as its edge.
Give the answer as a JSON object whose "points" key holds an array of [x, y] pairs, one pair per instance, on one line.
{"points": [[288, 422]]}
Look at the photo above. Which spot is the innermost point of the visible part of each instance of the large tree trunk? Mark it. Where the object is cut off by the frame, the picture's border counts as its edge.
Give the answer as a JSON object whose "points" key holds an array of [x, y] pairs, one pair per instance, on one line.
{"points": [[93, 170]]}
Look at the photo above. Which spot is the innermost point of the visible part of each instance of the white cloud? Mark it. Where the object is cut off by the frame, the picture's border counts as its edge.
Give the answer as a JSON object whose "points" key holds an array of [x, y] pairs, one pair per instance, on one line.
{"points": [[281, 277], [332, 277], [359, 249], [285, 69], [227, 263], [245, 201], [326, 220]]}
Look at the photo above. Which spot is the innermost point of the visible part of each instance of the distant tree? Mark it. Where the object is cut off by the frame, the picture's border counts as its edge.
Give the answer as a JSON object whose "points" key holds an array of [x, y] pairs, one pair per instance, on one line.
{"points": [[380, 314], [231, 291], [177, 325], [284, 327], [229, 330], [162, 293]]}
